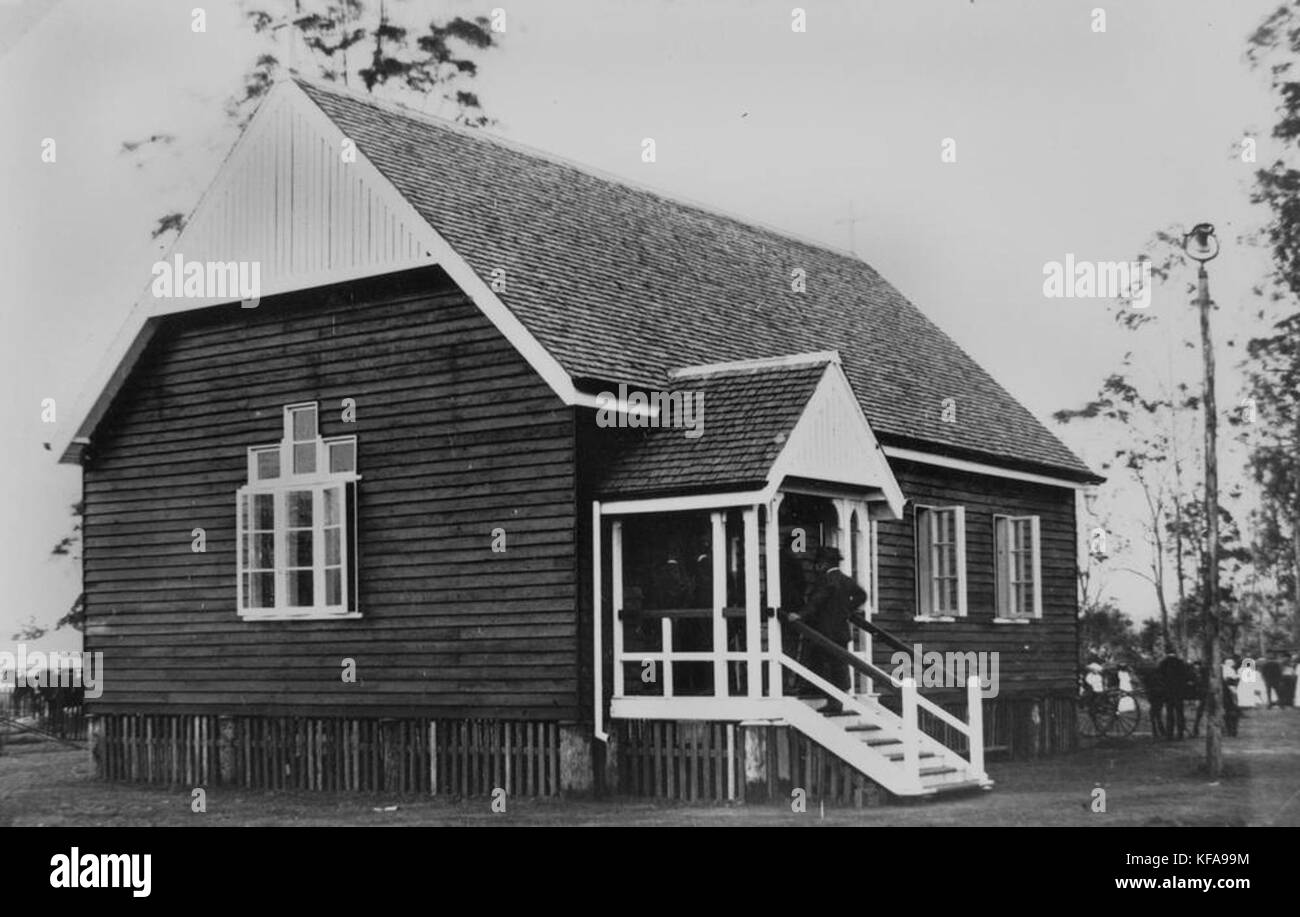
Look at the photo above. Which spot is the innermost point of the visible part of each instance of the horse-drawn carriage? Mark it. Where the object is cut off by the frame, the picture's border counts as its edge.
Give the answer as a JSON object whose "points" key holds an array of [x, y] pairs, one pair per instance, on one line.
{"points": [[1108, 705], [1111, 698]]}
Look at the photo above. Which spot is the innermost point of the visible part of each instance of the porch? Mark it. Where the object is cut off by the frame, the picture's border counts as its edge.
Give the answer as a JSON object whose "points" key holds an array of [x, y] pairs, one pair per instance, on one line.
{"points": [[700, 576], [703, 605]]}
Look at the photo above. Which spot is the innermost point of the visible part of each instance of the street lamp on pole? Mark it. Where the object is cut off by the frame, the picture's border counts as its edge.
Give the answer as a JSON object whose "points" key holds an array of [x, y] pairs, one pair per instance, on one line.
{"points": [[1201, 246]]}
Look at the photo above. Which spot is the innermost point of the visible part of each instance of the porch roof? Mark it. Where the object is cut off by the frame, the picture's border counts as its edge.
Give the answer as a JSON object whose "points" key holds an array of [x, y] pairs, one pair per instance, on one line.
{"points": [[764, 421], [749, 414]]}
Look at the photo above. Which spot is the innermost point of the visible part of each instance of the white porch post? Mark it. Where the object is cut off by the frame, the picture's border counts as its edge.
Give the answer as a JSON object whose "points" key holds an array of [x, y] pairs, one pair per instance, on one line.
{"points": [[753, 637], [719, 554], [775, 676], [616, 586], [843, 536], [844, 541], [666, 641], [863, 573], [597, 641]]}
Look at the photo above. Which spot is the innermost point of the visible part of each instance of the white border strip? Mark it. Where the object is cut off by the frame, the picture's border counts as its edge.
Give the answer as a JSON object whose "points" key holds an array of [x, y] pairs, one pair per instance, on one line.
{"points": [[925, 458], [684, 504]]}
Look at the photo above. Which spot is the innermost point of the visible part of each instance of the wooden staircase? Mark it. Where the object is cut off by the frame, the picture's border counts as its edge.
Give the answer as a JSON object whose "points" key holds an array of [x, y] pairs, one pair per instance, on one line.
{"points": [[889, 748], [940, 769]]}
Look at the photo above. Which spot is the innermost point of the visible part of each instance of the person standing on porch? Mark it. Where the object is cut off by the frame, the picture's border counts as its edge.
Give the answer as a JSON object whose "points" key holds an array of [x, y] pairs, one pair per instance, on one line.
{"points": [[833, 598], [794, 586]]}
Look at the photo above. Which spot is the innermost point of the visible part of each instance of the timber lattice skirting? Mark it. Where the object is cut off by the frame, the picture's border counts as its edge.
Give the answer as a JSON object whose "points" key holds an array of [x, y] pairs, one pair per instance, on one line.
{"points": [[1016, 726], [715, 762], [700, 761], [435, 757]]}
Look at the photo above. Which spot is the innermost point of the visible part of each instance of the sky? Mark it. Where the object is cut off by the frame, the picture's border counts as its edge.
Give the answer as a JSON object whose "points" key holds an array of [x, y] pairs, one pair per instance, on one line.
{"points": [[1068, 140]]}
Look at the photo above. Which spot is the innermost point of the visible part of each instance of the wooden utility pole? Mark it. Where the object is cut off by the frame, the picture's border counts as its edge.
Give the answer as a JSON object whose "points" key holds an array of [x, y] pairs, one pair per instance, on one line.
{"points": [[1214, 697]]}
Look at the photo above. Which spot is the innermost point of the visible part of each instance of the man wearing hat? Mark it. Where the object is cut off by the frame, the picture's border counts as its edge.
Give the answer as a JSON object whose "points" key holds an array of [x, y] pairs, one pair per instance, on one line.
{"points": [[833, 598]]}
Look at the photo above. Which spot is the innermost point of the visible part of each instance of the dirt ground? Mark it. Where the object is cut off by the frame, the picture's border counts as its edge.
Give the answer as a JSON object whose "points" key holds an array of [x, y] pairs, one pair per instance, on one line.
{"points": [[1145, 783]]}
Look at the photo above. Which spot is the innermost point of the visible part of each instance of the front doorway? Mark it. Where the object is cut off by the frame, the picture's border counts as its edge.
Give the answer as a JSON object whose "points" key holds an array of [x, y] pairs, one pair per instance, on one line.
{"points": [[808, 521]]}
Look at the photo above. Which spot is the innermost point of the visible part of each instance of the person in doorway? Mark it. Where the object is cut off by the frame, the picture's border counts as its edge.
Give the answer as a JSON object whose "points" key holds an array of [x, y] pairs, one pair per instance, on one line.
{"points": [[670, 583], [833, 598], [794, 586], [703, 596]]}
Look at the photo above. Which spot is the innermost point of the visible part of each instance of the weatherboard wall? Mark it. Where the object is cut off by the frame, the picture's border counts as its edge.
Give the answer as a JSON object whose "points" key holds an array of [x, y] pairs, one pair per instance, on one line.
{"points": [[1036, 657], [457, 435]]}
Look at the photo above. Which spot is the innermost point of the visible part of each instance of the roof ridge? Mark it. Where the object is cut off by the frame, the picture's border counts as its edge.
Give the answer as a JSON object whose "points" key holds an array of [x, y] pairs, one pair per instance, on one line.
{"points": [[403, 110], [759, 364], [861, 287]]}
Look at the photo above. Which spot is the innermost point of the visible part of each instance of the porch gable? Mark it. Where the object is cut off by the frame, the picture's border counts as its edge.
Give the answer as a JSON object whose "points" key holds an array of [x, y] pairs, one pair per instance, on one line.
{"points": [[765, 422]]}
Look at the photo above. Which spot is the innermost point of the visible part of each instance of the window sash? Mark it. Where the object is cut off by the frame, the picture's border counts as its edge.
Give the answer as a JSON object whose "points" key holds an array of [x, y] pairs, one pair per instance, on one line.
{"points": [[300, 433], [1018, 555], [941, 561], [283, 567], [324, 450]]}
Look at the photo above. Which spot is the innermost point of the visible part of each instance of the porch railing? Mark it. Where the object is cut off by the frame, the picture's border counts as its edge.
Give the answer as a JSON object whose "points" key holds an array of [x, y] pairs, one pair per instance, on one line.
{"points": [[862, 622], [665, 658], [911, 700]]}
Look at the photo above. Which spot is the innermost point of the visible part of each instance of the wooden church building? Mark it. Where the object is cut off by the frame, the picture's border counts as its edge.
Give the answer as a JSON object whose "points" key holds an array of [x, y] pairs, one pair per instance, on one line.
{"points": [[513, 476]]}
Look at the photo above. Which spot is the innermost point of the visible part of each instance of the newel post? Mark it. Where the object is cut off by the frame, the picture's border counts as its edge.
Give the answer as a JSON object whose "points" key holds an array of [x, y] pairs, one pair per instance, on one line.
{"points": [[975, 720], [911, 738]]}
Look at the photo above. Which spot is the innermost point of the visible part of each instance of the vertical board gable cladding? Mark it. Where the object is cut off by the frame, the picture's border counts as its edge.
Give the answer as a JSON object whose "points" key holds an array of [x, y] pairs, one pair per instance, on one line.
{"points": [[457, 435], [288, 199]]}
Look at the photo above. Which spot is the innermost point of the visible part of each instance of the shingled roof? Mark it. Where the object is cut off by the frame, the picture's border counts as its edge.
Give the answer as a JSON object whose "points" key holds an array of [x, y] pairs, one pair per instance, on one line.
{"points": [[748, 417], [619, 283]]}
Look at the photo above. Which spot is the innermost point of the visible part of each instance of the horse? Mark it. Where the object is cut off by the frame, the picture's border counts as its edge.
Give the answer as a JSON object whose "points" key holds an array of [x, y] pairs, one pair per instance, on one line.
{"points": [[1169, 684]]}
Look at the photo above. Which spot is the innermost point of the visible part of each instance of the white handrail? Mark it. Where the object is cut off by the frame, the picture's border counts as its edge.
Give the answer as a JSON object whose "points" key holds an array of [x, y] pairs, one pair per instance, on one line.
{"points": [[973, 730], [845, 699], [934, 709]]}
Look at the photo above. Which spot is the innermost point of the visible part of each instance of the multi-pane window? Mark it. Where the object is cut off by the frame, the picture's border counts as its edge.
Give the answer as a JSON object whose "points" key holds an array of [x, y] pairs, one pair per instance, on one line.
{"points": [[296, 523], [1018, 579], [941, 561]]}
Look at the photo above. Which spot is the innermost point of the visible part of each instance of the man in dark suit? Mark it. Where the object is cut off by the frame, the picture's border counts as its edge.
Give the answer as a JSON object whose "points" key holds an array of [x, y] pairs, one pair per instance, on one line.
{"points": [[833, 598], [1271, 670]]}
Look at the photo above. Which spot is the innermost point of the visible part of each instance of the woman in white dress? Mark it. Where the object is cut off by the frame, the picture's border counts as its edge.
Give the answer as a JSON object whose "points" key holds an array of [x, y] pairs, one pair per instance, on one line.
{"points": [[1250, 690]]}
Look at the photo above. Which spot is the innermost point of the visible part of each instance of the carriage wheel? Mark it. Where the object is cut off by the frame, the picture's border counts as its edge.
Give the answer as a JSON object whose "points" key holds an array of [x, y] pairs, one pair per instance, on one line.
{"points": [[1127, 713], [1092, 718]]}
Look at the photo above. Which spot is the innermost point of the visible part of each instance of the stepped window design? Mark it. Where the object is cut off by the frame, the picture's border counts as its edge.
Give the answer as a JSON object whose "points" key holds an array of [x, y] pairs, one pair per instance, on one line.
{"points": [[296, 524]]}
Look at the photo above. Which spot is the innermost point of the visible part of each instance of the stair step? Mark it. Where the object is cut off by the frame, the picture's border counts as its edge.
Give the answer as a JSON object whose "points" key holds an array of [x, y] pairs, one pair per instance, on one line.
{"points": [[958, 786], [881, 734], [936, 769], [880, 741]]}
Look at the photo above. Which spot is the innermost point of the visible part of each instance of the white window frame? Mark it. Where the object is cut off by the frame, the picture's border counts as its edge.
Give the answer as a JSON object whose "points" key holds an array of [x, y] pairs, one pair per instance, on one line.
{"points": [[1005, 567], [926, 611], [316, 482]]}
